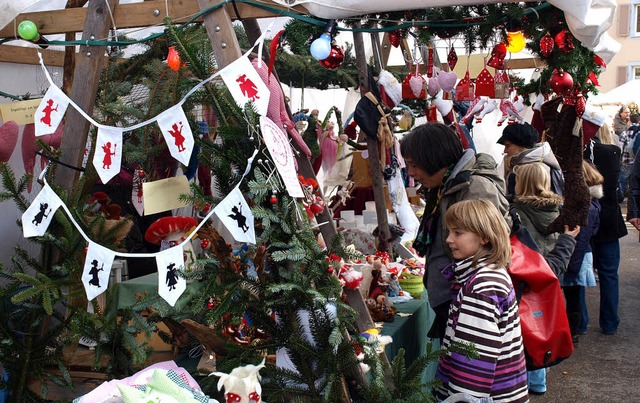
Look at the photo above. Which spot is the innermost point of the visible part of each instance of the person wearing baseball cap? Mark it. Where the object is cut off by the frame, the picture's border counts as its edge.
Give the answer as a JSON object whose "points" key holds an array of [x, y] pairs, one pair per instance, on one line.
{"points": [[520, 141]]}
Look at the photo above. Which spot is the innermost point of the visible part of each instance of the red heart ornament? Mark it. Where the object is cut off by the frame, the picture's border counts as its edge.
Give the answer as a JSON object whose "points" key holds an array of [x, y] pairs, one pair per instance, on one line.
{"points": [[546, 45], [395, 38]]}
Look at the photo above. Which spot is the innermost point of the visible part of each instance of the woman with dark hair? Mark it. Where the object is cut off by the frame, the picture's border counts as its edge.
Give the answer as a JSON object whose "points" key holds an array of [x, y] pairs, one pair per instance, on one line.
{"points": [[435, 158]]}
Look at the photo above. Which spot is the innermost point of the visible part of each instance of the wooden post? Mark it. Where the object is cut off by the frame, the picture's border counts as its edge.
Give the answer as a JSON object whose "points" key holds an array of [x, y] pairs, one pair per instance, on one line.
{"points": [[220, 30], [83, 90], [374, 153]]}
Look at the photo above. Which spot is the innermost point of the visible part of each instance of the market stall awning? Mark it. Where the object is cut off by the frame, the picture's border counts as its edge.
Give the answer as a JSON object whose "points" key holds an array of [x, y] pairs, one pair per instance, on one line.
{"points": [[625, 94]]}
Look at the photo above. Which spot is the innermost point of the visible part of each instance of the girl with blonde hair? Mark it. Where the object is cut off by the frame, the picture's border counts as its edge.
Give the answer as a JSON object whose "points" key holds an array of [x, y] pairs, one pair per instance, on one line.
{"points": [[484, 309]]}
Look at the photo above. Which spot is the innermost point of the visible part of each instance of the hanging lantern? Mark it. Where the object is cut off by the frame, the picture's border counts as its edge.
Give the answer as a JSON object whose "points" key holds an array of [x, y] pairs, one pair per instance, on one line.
{"points": [[335, 58], [561, 82], [515, 41], [498, 54], [173, 59], [546, 45]]}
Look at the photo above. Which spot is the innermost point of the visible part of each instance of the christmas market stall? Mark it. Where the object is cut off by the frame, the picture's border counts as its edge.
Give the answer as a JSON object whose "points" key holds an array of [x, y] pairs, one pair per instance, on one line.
{"points": [[178, 239]]}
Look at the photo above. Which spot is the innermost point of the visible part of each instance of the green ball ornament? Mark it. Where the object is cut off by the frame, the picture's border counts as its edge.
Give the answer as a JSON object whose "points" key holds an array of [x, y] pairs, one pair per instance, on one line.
{"points": [[28, 30]]}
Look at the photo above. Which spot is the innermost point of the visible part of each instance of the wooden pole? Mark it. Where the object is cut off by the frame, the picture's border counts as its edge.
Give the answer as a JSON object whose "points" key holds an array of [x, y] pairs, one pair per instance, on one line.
{"points": [[86, 76], [374, 153]]}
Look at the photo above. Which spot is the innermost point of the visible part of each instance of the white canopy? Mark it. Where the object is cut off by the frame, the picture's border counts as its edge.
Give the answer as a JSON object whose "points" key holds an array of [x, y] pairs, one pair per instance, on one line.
{"points": [[625, 94]]}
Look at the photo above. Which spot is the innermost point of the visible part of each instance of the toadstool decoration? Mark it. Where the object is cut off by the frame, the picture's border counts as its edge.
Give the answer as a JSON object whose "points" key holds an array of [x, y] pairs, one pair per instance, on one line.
{"points": [[172, 230]]}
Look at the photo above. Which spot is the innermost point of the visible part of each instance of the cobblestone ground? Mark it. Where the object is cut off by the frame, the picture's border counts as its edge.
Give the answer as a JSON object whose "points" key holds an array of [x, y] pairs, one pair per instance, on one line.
{"points": [[605, 368]]}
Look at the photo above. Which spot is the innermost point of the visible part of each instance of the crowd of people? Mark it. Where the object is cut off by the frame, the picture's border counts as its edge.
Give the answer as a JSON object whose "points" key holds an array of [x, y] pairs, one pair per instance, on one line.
{"points": [[464, 237]]}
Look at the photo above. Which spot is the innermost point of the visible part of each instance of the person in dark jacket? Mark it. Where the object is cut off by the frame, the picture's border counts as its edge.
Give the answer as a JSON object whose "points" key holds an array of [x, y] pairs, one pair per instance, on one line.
{"points": [[579, 272], [435, 158], [606, 243]]}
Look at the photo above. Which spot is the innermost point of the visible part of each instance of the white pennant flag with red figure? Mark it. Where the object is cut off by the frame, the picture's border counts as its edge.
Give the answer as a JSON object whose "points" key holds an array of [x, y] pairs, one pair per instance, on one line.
{"points": [[97, 269], [107, 158], [177, 133], [36, 218], [245, 85], [235, 214], [278, 144], [51, 111], [171, 283]]}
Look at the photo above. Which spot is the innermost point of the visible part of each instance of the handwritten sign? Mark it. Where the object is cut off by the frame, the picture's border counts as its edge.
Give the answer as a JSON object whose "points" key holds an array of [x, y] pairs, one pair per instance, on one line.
{"points": [[21, 111]]}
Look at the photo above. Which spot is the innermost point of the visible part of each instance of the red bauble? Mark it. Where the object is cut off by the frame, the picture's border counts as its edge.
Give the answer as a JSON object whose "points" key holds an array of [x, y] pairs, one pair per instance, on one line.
{"points": [[561, 82], [210, 304], [581, 104], [546, 45], [173, 59], [273, 199], [452, 59], [395, 38], [564, 40], [330, 270], [335, 58], [498, 54]]}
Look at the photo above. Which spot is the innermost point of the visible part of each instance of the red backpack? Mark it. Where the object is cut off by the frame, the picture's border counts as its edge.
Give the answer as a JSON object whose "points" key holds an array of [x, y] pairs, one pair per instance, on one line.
{"points": [[543, 316]]}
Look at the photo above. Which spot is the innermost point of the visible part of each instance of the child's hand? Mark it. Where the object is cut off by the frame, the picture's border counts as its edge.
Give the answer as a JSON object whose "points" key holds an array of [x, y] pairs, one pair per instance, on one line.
{"points": [[572, 232]]}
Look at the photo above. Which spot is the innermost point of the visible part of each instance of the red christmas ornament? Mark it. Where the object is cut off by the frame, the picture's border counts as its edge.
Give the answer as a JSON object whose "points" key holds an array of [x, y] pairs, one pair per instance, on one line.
{"points": [[335, 58], [561, 82], [330, 270], [485, 84], [599, 61], [205, 243], [546, 45], [395, 38], [210, 303], [173, 59], [273, 199], [430, 61], [564, 40], [581, 104], [498, 54], [452, 58]]}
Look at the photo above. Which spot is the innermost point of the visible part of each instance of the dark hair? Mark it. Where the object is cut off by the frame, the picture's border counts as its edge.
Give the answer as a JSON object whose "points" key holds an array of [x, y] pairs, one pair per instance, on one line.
{"points": [[432, 146], [635, 118]]}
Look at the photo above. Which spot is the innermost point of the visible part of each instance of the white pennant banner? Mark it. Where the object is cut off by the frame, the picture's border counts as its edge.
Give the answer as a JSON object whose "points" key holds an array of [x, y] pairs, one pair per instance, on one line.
{"points": [[278, 144], [235, 214], [177, 133], [97, 269], [51, 111], [171, 284], [36, 218], [108, 155], [245, 85]]}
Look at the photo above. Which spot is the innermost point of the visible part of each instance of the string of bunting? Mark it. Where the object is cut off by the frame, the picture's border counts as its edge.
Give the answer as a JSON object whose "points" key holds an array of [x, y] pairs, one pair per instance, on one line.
{"points": [[233, 211]]}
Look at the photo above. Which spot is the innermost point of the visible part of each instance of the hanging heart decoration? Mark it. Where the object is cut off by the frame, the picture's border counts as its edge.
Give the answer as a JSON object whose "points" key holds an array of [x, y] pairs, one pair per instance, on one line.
{"points": [[447, 80], [395, 38], [498, 54], [433, 86], [452, 58], [546, 45]]}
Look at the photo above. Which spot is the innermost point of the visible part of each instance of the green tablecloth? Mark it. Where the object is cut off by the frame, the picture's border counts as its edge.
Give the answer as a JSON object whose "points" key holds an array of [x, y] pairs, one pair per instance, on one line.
{"points": [[410, 332]]}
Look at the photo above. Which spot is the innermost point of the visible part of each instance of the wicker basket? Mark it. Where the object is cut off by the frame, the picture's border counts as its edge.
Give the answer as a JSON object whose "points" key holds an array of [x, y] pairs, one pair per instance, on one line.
{"points": [[412, 284]]}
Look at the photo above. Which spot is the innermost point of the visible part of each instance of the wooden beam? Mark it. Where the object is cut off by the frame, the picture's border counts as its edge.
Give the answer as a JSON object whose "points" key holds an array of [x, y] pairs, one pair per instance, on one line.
{"points": [[22, 55], [223, 39], [83, 91], [133, 15]]}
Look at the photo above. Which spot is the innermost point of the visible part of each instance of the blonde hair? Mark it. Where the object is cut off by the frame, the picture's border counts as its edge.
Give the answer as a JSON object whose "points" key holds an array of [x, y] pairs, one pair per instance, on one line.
{"points": [[533, 180], [482, 218], [604, 134], [592, 176]]}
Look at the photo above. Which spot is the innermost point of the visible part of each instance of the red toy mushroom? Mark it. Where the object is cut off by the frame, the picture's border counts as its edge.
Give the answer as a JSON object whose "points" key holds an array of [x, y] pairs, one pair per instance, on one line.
{"points": [[172, 230]]}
